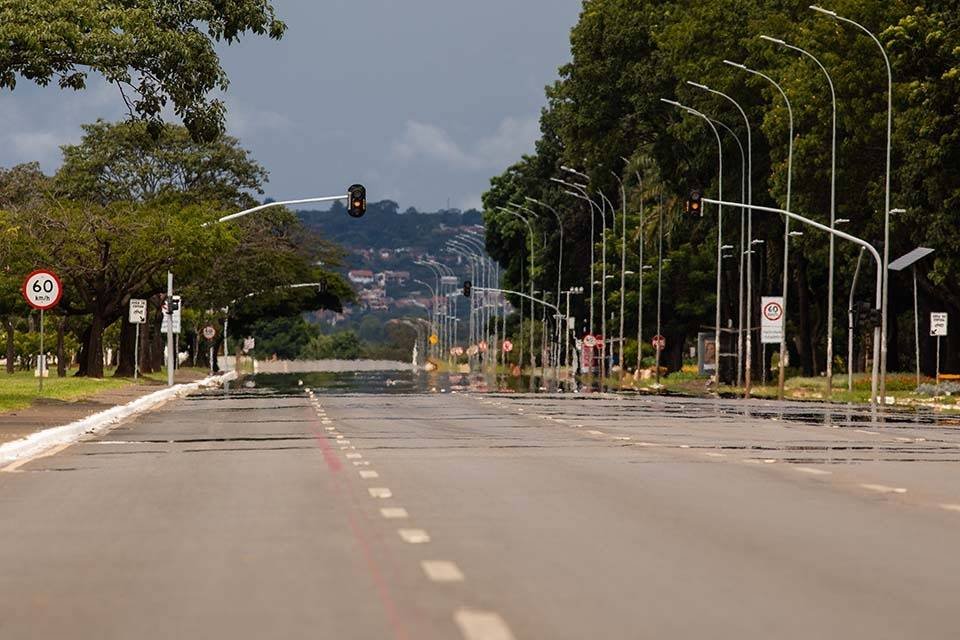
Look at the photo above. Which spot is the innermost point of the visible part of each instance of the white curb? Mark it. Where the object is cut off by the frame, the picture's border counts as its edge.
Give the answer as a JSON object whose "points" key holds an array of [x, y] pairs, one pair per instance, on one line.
{"points": [[40, 441]]}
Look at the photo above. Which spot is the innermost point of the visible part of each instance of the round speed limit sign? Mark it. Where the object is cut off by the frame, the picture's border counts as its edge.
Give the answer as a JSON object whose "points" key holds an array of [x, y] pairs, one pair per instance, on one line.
{"points": [[42, 289]]}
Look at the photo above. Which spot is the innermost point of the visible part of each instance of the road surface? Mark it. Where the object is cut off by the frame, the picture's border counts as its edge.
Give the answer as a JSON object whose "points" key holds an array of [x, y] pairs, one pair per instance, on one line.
{"points": [[265, 513]]}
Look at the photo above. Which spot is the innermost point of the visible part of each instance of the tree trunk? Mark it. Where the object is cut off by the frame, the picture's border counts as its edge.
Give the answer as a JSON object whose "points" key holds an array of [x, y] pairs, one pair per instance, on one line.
{"points": [[61, 358], [157, 339], [11, 352], [146, 365], [82, 354], [803, 303], [91, 365], [125, 359]]}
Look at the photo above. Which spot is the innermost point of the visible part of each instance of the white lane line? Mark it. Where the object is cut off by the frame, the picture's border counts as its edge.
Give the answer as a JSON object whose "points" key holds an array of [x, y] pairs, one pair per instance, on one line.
{"points": [[951, 507], [882, 488], [482, 625], [442, 571], [872, 433], [414, 536], [394, 513], [344, 448], [714, 454], [354, 456], [342, 440], [331, 428], [380, 492], [904, 439], [369, 475], [361, 463], [594, 432], [622, 438], [813, 471], [340, 436]]}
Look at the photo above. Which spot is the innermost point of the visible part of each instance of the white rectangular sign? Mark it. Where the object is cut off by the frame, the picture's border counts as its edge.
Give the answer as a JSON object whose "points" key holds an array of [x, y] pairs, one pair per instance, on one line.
{"points": [[771, 319], [138, 311], [938, 324], [176, 316]]}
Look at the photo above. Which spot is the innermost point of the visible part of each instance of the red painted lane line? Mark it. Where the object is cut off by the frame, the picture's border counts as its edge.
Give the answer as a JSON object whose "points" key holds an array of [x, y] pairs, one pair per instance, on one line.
{"points": [[329, 454]]}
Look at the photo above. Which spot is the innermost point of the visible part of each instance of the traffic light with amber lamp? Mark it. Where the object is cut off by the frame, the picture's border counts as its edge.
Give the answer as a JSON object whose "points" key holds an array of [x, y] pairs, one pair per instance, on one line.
{"points": [[358, 200], [695, 203]]}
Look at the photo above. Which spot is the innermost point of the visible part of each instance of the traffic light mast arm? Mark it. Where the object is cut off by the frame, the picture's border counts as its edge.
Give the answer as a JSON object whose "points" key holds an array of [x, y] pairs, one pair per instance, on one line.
{"points": [[846, 236], [522, 295], [284, 203]]}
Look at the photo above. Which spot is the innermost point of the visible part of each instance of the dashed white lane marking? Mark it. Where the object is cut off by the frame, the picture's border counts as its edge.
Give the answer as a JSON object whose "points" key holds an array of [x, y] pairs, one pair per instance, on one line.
{"points": [[904, 439], [594, 432], [361, 463], [366, 474], [354, 456], [380, 492], [714, 454], [340, 437], [872, 433], [342, 440], [950, 507], [394, 513], [882, 488], [813, 471], [442, 571], [622, 438], [482, 625], [331, 428], [414, 536]]}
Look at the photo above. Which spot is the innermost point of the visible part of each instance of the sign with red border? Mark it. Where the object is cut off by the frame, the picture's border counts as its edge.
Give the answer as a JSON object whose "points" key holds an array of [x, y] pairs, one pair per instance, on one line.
{"points": [[42, 289]]}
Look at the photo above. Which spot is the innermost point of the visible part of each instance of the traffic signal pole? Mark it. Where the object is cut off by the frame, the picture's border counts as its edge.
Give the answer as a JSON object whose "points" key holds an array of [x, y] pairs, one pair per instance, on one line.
{"points": [[874, 385]]}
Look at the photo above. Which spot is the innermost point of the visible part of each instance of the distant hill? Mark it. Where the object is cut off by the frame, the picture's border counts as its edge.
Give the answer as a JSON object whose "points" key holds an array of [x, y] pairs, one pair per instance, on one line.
{"points": [[385, 227]]}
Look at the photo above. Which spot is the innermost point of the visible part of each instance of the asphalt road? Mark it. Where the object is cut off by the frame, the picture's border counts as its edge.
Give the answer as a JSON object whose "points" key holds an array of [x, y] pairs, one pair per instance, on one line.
{"points": [[352, 516]]}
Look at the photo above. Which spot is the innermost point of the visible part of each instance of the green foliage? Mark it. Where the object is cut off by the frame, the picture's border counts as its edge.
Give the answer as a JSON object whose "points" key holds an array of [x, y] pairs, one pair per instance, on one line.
{"points": [[345, 345], [284, 338], [154, 51]]}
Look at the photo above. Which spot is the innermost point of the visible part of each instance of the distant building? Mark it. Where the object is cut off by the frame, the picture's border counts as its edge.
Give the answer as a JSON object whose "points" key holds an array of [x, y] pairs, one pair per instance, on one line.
{"points": [[360, 276]]}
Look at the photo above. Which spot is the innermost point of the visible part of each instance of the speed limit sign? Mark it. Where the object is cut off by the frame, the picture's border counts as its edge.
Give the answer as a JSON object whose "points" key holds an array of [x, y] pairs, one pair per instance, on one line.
{"points": [[42, 289]]}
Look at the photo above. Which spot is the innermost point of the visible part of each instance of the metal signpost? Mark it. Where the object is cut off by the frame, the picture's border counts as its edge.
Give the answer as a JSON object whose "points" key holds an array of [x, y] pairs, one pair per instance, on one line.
{"points": [[938, 330], [42, 290], [209, 333], [137, 316]]}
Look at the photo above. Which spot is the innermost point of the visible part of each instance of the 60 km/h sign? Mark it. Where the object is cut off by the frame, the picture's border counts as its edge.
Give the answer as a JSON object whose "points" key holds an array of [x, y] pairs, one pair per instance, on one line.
{"points": [[42, 290]]}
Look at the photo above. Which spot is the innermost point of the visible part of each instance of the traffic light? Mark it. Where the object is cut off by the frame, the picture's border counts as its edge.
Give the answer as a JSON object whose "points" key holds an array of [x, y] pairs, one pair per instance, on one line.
{"points": [[695, 203], [467, 286], [865, 315], [358, 200], [174, 305]]}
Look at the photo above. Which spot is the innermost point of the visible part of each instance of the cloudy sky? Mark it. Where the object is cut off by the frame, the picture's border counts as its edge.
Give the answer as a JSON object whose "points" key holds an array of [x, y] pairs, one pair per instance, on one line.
{"points": [[422, 100]]}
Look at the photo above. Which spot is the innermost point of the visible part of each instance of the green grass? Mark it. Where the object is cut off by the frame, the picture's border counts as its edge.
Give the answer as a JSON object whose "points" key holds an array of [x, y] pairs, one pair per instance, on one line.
{"points": [[19, 390]]}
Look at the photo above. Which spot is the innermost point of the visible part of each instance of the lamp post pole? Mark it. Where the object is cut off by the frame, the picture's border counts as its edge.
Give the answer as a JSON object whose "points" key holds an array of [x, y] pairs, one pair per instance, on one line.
{"points": [[748, 337], [719, 228], [833, 201], [786, 229], [886, 217]]}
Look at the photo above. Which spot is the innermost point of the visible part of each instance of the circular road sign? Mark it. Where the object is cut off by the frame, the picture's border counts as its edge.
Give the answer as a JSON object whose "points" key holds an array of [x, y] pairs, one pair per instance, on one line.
{"points": [[483, 346], [773, 311], [42, 289], [589, 341], [659, 342], [209, 332], [507, 346]]}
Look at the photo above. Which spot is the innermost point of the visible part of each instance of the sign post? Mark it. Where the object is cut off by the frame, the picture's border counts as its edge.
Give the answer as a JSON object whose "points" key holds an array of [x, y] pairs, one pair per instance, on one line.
{"points": [[137, 316], [209, 333], [938, 329], [42, 290]]}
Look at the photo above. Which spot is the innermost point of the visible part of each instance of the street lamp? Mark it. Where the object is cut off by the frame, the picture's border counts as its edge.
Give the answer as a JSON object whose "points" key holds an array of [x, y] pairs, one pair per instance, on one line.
{"points": [[833, 201], [719, 224], [786, 231], [886, 218], [748, 335]]}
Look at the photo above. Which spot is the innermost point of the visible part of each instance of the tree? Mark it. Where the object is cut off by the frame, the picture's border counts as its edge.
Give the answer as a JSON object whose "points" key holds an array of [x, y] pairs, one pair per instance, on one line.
{"points": [[154, 51]]}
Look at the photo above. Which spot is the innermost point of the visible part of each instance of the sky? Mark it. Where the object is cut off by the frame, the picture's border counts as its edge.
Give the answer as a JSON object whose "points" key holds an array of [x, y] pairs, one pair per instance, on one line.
{"points": [[421, 100]]}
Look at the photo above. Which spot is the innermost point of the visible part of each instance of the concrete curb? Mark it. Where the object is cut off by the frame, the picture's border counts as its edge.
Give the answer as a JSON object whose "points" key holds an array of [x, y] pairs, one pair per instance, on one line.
{"points": [[37, 443]]}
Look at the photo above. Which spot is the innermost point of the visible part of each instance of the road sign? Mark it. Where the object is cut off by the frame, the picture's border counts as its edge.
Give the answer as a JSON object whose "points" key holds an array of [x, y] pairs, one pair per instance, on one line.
{"points": [[473, 350], [507, 346], [771, 320], [456, 351], [659, 342], [42, 289], [938, 324], [138, 311], [589, 341], [434, 339], [249, 344], [176, 315], [483, 346], [209, 332]]}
